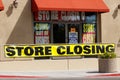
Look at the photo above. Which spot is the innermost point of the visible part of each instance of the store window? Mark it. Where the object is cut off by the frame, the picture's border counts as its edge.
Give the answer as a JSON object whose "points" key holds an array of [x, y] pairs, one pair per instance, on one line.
{"points": [[59, 33], [41, 33], [90, 17], [89, 28], [65, 27], [48, 27]]}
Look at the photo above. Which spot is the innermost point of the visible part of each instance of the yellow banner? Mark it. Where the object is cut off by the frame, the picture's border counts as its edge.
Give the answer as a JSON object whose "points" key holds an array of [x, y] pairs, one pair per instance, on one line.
{"points": [[57, 50]]}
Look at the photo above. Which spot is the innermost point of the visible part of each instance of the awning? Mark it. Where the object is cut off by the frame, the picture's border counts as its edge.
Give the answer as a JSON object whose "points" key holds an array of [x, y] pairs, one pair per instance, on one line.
{"points": [[1, 5], [70, 5]]}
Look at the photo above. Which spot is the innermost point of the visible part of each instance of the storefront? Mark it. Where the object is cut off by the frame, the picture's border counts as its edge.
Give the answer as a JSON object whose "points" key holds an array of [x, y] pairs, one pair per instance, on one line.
{"points": [[67, 21], [1, 5], [56, 22]]}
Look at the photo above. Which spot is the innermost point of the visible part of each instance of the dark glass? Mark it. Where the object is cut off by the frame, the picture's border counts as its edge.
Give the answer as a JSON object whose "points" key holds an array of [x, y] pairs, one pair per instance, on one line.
{"points": [[58, 33], [90, 17]]}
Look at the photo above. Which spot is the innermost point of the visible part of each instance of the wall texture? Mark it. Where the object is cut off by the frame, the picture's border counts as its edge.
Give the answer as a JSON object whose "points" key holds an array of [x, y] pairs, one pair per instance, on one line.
{"points": [[110, 24], [16, 24]]}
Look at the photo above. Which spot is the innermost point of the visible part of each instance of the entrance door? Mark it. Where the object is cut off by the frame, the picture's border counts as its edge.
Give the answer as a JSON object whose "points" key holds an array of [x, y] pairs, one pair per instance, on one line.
{"points": [[59, 33], [66, 33]]}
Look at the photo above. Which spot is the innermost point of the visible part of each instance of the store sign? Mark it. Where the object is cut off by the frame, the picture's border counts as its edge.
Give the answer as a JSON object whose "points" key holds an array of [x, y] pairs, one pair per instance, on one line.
{"points": [[58, 15], [70, 16], [88, 28], [57, 50], [88, 33], [88, 38], [41, 33], [43, 15], [55, 15], [73, 37]]}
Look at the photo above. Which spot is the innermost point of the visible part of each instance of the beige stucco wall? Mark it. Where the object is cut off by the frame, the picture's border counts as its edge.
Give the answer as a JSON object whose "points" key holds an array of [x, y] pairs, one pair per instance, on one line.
{"points": [[16, 27], [16, 24], [110, 24]]}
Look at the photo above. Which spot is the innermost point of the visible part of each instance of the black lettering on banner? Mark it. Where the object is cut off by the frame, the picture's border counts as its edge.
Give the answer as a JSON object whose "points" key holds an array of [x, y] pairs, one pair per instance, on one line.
{"points": [[110, 48], [39, 50], [93, 49], [100, 49], [28, 51], [48, 51], [68, 50], [10, 51], [59, 50], [19, 50], [78, 49], [87, 49]]}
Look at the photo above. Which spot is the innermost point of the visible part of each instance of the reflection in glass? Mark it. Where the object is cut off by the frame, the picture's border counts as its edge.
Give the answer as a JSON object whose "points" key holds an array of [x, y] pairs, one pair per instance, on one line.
{"points": [[90, 18]]}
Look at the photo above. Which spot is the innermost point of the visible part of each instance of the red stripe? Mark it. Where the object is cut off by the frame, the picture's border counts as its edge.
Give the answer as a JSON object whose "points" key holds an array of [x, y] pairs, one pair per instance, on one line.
{"points": [[110, 74], [13, 76], [105, 75]]}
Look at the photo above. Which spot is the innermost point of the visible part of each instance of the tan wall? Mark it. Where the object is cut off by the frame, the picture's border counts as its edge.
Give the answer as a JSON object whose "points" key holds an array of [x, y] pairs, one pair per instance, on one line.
{"points": [[110, 24], [16, 24], [16, 27]]}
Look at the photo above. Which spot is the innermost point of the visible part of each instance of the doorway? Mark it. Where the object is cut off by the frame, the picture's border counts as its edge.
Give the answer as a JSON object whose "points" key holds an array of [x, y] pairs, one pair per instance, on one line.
{"points": [[59, 33], [66, 33]]}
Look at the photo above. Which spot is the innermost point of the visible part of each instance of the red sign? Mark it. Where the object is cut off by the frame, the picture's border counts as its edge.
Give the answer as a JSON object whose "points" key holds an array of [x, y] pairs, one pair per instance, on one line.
{"points": [[58, 16], [43, 15]]}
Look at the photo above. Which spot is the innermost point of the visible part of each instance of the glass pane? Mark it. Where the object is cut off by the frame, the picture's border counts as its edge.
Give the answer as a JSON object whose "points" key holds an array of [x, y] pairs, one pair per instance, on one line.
{"points": [[73, 33], [41, 33], [89, 33], [58, 33], [90, 17]]}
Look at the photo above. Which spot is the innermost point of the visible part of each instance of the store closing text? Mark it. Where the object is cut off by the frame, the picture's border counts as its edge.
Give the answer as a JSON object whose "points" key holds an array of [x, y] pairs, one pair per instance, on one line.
{"points": [[57, 50]]}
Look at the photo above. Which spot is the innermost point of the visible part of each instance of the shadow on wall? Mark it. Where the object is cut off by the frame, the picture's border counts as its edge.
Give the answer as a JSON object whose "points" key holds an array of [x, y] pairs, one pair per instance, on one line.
{"points": [[23, 29], [10, 10], [118, 45], [115, 13]]}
